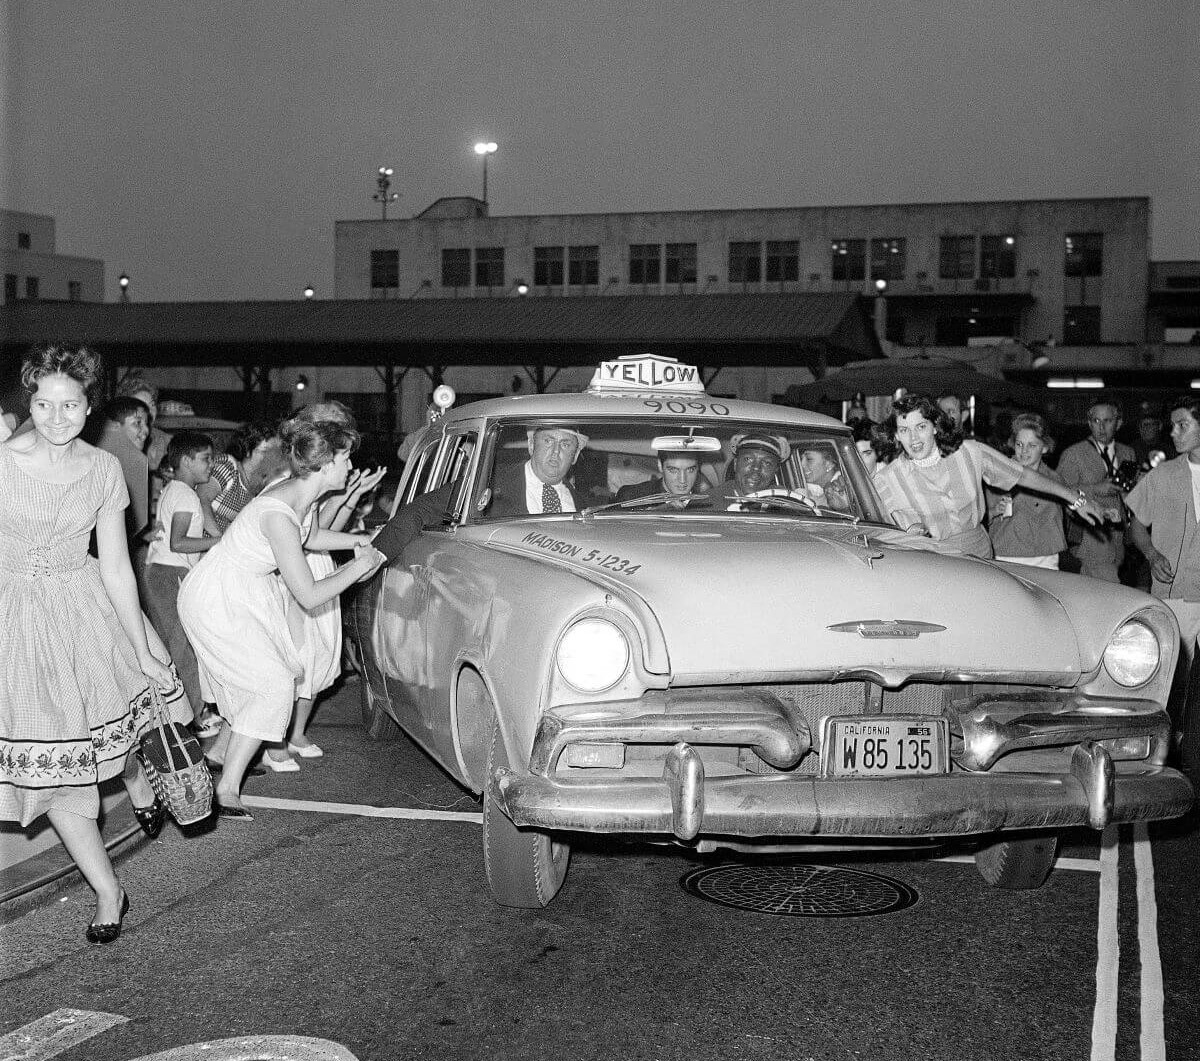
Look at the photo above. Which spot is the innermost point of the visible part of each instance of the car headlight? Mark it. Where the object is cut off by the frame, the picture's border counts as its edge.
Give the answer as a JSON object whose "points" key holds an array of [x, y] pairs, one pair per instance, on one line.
{"points": [[1132, 654], [593, 655]]}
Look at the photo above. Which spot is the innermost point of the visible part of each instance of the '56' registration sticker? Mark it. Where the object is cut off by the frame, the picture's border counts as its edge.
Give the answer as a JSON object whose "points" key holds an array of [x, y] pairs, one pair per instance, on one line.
{"points": [[884, 746]]}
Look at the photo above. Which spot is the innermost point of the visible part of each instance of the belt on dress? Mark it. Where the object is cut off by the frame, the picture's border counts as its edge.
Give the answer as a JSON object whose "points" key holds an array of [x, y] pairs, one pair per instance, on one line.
{"points": [[42, 561]]}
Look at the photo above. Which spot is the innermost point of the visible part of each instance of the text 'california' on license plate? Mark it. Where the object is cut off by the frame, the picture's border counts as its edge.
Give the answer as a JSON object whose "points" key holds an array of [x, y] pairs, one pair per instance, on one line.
{"points": [[884, 746]]}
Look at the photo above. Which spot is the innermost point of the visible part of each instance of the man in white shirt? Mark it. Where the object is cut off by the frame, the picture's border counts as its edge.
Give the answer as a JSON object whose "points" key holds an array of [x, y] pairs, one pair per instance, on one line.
{"points": [[1090, 466], [539, 485]]}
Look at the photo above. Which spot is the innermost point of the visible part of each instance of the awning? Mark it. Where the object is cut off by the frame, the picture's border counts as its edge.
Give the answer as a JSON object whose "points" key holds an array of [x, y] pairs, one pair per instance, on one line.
{"points": [[716, 330]]}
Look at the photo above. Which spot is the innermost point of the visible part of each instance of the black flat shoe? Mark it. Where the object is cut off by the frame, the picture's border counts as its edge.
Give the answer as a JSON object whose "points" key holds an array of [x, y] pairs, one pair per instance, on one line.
{"points": [[151, 818], [107, 933]]}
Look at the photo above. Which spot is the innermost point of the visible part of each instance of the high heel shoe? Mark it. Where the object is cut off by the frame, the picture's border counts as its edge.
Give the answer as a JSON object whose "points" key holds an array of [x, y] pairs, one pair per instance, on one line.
{"points": [[151, 818], [107, 933]]}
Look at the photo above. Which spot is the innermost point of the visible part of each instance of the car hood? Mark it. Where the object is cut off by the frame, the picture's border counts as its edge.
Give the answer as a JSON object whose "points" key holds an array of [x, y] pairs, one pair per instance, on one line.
{"points": [[775, 600]]}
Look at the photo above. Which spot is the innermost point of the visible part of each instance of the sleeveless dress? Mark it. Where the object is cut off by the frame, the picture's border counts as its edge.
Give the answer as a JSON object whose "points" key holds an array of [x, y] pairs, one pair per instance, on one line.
{"points": [[321, 652], [73, 700], [233, 608]]}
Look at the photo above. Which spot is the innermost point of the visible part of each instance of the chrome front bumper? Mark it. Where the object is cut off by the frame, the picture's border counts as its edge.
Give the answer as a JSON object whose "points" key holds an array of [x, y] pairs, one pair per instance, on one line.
{"points": [[685, 803]]}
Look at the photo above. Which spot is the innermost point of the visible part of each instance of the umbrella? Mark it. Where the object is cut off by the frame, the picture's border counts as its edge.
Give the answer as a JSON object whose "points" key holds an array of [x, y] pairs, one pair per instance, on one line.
{"points": [[922, 374]]}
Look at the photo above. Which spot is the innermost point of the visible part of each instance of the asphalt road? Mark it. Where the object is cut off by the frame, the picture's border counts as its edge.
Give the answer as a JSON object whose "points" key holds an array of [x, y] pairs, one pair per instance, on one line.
{"points": [[337, 933]]}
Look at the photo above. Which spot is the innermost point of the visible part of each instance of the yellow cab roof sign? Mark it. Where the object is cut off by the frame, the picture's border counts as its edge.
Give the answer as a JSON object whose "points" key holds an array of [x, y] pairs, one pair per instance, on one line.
{"points": [[646, 372]]}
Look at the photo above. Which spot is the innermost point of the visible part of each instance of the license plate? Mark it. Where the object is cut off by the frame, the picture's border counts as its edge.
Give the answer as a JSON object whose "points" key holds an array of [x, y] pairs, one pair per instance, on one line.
{"points": [[884, 746]]}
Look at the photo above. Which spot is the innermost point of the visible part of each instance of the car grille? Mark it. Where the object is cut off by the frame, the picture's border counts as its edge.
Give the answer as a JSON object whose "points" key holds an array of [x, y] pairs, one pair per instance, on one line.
{"points": [[817, 701]]}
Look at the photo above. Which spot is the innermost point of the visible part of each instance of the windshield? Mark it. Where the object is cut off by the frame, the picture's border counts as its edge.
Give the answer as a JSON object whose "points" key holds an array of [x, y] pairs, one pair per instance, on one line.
{"points": [[623, 467]]}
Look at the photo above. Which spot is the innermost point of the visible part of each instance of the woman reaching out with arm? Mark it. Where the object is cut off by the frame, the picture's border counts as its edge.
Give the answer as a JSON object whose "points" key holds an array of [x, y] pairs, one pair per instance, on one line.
{"points": [[234, 609]]}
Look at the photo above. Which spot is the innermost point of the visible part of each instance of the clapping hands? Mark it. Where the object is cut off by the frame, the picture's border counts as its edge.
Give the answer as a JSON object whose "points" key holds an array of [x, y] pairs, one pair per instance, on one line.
{"points": [[363, 480]]}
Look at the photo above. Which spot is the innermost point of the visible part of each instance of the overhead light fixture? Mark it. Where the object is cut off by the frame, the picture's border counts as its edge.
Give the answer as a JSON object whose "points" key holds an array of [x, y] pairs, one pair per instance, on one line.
{"points": [[1075, 383], [1195, 384], [301, 382], [1040, 361]]}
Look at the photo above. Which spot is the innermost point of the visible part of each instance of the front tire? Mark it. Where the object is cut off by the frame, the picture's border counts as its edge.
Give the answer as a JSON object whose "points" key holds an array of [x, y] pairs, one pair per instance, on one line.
{"points": [[525, 868], [1018, 865]]}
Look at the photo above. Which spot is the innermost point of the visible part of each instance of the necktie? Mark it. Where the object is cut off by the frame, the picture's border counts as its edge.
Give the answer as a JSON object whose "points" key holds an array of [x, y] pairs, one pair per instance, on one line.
{"points": [[1108, 462], [550, 501]]}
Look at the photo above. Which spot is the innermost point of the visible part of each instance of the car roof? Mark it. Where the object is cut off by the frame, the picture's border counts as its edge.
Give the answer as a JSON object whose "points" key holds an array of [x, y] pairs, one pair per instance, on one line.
{"points": [[590, 405]]}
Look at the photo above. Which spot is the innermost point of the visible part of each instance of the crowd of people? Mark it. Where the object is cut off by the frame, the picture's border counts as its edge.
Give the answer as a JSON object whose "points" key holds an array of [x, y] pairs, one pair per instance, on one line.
{"points": [[224, 597], [212, 585]]}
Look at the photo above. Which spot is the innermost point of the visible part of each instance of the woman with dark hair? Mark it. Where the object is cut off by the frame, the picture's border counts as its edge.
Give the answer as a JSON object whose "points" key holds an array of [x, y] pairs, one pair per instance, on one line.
{"points": [[251, 460], [871, 440], [935, 484], [75, 664], [234, 610]]}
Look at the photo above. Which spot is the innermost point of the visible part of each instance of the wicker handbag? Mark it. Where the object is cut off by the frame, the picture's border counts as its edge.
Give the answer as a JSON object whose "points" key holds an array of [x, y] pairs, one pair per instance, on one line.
{"points": [[175, 766]]}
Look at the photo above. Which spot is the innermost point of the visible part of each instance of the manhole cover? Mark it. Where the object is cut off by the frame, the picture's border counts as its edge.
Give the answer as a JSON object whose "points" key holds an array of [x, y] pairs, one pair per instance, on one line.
{"points": [[800, 890]]}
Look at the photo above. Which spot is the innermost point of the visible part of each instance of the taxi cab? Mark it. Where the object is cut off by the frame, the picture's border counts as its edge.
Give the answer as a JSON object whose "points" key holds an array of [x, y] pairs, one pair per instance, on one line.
{"points": [[739, 662]]}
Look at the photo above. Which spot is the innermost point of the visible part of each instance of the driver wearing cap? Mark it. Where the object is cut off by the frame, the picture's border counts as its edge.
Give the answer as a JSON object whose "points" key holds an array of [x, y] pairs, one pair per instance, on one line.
{"points": [[755, 466]]}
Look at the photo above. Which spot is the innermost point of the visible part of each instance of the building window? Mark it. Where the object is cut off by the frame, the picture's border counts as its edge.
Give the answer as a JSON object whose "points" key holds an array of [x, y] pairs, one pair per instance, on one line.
{"points": [[1083, 254], [745, 263], [385, 269], [456, 267], [681, 263], [956, 257], [848, 261], [547, 266], [644, 261], [489, 266], [1081, 325], [783, 260], [31, 287], [888, 259], [23, 242], [74, 290], [10, 287], [997, 257], [583, 265]]}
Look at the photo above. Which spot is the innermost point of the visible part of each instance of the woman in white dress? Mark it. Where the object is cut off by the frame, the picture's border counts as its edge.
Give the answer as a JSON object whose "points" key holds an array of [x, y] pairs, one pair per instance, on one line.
{"points": [[234, 609], [322, 649]]}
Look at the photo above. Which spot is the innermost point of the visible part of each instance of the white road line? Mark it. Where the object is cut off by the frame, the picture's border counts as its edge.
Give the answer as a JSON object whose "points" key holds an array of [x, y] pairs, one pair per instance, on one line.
{"points": [[55, 1034], [362, 810], [1083, 865], [1108, 952], [1153, 1038]]}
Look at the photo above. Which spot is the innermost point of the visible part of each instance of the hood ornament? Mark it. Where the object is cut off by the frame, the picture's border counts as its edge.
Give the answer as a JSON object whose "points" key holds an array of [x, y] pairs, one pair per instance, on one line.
{"points": [[886, 628]]}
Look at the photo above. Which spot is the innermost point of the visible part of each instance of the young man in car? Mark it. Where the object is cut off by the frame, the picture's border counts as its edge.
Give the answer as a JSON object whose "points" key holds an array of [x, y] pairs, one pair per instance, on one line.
{"points": [[678, 476]]}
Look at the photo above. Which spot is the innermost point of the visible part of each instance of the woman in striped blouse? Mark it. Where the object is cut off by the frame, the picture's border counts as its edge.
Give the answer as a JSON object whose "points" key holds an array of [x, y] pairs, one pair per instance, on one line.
{"points": [[935, 484]]}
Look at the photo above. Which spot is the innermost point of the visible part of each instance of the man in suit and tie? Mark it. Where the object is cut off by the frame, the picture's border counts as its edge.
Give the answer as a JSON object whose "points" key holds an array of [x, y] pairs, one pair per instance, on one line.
{"points": [[1090, 466], [680, 472], [539, 485]]}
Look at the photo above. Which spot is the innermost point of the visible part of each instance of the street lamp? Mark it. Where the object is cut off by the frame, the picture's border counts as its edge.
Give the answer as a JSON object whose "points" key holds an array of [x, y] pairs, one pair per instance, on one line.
{"points": [[383, 182], [483, 149], [123, 283]]}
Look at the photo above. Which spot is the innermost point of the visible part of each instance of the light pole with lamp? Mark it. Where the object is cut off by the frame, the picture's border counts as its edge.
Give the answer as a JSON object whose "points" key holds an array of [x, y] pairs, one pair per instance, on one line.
{"points": [[383, 182], [123, 284], [483, 149]]}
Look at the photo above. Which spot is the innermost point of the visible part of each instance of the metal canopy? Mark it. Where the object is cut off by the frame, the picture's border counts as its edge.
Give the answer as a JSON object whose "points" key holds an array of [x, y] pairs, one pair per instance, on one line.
{"points": [[722, 330]]}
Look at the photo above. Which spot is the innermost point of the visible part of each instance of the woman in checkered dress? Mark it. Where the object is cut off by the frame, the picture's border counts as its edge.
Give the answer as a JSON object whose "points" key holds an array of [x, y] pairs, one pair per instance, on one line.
{"points": [[75, 665]]}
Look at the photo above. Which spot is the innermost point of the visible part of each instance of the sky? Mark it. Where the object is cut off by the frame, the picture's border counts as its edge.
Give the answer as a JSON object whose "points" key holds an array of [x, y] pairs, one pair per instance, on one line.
{"points": [[206, 148]]}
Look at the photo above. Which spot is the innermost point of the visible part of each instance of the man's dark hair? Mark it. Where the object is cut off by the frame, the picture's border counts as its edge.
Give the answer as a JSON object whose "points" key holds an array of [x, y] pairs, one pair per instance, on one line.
{"points": [[185, 444], [247, 438], [118, 410], [1190, 402]]}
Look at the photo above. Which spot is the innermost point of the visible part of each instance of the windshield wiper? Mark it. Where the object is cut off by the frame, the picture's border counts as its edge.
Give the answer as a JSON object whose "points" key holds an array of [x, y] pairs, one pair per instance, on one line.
{"points": [[649, 499]]}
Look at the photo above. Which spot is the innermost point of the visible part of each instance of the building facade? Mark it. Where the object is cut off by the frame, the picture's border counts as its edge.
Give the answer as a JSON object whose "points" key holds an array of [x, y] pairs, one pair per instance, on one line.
{"points": [[33, 268]]}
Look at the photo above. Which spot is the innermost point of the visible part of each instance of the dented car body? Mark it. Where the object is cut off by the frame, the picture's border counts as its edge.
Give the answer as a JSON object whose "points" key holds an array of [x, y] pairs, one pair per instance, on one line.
{"points": [[771, 672]]}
